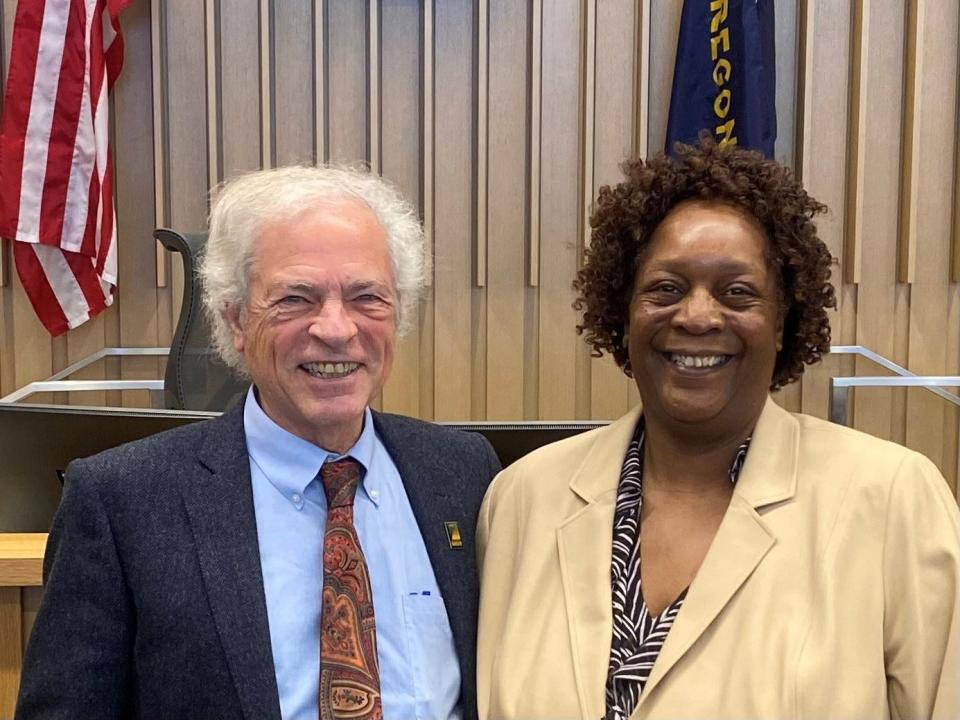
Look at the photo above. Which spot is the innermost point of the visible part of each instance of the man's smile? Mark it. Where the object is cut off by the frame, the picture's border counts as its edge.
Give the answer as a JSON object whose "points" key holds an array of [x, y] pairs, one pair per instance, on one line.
{"points": [[331, 370]]}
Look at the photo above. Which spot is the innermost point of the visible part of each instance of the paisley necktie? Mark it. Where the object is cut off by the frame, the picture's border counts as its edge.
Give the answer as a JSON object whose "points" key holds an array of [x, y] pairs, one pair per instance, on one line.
{"points": [[349, 670]]}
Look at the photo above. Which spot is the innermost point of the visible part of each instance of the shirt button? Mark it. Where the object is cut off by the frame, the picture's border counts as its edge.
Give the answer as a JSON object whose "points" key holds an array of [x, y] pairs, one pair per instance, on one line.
{"points": [[296, 497], [374, 494]]}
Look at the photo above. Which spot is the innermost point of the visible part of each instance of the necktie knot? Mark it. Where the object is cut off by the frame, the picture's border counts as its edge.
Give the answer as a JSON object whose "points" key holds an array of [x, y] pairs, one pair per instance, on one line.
{"points": [[341, 479]]}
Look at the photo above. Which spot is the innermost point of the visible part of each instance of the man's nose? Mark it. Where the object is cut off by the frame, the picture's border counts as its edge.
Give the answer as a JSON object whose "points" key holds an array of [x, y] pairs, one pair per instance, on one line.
{"points": [[332, 323], [699, 312]]}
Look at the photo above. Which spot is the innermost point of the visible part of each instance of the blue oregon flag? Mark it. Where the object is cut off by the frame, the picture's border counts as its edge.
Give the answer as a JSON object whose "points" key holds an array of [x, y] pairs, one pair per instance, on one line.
{"points": [[725, 74]]}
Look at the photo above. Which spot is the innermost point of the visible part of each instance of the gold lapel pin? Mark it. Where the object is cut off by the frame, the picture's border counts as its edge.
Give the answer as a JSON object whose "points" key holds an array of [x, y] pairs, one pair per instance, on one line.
{"points": [[453, 535]]}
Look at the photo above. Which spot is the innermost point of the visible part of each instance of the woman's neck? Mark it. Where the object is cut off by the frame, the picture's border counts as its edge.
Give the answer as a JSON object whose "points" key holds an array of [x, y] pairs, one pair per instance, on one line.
{"points": [[688, 462]]}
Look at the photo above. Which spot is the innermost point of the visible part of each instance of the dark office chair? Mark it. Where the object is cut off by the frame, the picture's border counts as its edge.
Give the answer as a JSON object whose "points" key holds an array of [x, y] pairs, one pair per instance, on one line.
{"points": [[196, 379]]}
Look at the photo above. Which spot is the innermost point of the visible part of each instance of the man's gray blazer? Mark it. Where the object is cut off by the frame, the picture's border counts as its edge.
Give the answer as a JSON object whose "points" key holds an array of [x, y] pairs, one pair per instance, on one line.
{"points": [[154, 604]]}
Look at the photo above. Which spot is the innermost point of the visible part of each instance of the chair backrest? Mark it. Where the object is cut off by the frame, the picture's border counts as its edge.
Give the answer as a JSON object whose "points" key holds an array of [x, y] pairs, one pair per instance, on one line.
{"points": [[196, 379]]}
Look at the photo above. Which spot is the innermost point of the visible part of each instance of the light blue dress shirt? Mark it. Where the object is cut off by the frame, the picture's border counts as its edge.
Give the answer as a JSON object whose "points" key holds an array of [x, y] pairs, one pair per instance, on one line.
{"points": [[419, 670]]}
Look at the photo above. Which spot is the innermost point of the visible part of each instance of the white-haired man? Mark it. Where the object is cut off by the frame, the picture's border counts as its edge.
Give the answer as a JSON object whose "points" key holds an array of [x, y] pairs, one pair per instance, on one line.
{"points": [[301, 556]]}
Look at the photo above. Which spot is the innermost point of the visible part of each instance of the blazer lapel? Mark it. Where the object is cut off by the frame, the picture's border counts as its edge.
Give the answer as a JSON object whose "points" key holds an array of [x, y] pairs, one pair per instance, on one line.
{"points": [[584, 543], [741, 542], [219, 503]]}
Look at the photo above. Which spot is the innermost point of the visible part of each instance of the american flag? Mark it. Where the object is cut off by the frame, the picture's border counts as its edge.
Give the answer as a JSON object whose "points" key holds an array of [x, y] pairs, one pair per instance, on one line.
{"points": [[56, 185]]}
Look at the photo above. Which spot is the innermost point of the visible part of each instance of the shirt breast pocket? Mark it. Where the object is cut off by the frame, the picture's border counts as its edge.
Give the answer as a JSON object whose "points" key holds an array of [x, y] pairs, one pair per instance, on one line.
{"points": [[436, 669]]}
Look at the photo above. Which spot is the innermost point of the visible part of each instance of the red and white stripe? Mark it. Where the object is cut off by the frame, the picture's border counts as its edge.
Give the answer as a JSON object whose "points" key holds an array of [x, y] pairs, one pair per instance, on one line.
{"points": [[56, 188]]}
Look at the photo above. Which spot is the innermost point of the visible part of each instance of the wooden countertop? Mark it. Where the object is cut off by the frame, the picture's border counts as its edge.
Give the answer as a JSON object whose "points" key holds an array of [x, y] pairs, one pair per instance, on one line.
{"points": [[21, 559]]}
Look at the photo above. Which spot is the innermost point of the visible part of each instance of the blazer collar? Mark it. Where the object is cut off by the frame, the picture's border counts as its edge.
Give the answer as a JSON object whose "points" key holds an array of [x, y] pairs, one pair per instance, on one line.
{"points": [[584, 546], [743, 539], [584, 539], [599, 473], [769, 474], [219, 504]]}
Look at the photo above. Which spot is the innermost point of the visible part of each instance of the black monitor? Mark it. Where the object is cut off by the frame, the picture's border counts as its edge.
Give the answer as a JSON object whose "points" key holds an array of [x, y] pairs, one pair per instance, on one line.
{"points": [[37, 442]]}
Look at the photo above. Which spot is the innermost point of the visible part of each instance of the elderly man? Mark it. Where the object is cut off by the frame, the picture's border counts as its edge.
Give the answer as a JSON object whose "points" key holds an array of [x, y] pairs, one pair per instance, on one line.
{"points": [[300, 556]]}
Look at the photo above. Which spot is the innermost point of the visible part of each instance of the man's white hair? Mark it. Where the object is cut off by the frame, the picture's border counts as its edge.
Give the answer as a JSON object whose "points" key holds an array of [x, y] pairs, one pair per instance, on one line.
{"points": [[242, 206]]}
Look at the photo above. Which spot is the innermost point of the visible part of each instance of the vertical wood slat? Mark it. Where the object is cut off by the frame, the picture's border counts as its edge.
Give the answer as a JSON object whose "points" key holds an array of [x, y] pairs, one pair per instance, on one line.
{"points": [[641, 112], [588, 112], [936, 31], [293, 73], [507, 208], [826, 38], [806, 33], [955, 262], [11, 649], [786, 58], [373, 84], [558, 345], [397, 126], [910, 163], [483, 90], [454, 161], [158, 82], [348, 109], [642, 93], [137, 300], [267, 154], [320, 65], [190, 163], [212, 64], [426, 133], [853, 256], [242, 87], [614, 130], [881, 327], [536, 69]]}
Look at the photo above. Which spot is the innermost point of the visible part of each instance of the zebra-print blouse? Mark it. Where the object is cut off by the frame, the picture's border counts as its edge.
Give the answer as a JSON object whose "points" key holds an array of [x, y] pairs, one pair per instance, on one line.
{"points": [[637, 635]]}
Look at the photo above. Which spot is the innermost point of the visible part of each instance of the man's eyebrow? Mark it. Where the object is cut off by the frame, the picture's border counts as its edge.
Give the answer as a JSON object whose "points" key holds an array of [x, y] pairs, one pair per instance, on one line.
{"points": [[296, 285], [361, 285]]}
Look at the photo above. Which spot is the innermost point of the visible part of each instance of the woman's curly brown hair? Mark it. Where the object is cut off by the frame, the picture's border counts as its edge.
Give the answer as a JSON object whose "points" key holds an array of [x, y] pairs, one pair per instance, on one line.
{"points": [[626, 215]]}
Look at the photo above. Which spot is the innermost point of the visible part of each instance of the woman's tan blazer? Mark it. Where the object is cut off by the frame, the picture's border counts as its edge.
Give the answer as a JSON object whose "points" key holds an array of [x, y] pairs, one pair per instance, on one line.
{"points": [[831, 590]]}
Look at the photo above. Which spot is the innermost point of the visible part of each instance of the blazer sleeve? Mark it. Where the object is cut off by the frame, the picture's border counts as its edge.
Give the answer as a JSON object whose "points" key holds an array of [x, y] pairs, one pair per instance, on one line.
{"points": [[78, 659], [922, 594]]}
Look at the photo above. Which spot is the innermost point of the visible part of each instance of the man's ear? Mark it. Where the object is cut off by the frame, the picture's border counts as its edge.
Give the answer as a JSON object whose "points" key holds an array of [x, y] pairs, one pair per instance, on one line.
{"points": [[234, 317]]}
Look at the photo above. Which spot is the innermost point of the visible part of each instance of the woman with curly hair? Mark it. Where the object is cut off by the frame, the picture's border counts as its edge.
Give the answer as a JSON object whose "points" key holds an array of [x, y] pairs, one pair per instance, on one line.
{"points": [[710, 555]]}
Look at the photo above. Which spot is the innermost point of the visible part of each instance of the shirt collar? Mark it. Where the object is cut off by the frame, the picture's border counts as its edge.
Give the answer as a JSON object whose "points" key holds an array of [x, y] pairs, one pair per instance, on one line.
{"points": [[291, 463]]}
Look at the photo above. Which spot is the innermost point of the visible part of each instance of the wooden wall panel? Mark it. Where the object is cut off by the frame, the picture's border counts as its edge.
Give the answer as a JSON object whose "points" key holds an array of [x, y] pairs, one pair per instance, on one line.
{"points": [[138, 298], [558, 208], [453, 226], [821, 160], [507, 207], [665, 24], [293, 82], [238, 89], [880, 157], [399, 128], [500, 119], [933, 120], [347, 49], [613, 125], [187, 159]]}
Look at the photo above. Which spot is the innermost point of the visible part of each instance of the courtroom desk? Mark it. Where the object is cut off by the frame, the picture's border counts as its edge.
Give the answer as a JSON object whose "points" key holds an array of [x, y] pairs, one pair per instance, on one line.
{"points": [[21, 577]]}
